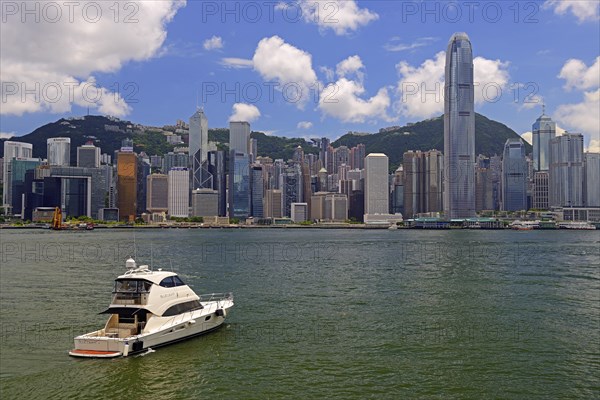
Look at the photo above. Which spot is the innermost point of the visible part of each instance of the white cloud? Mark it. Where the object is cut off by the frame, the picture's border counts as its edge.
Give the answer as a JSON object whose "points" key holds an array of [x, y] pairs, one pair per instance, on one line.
{"points": [[527, 136], [395, 45], [290, 67], [341, 16], [244, 112], [582, 117], [329, 73], [422, 88], [215, 42], [594, 146], [584, 10], [579, 76], [531, 101], [6, 135], [341, 100], [304, 125], [233, 62], [351, 65], [69, 52]]}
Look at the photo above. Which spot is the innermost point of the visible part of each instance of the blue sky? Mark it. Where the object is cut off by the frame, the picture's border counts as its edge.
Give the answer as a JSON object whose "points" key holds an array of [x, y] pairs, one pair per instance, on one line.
{"points": [[376, 57]]}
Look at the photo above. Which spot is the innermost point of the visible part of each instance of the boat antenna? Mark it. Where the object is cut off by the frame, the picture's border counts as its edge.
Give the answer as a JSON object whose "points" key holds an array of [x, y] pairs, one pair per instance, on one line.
{"points": [[151, 256], [171, 262]]}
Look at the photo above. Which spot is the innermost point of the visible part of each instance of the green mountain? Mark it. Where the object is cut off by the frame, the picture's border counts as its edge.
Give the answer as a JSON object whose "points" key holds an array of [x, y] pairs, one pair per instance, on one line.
{"points": [[490, 137]]}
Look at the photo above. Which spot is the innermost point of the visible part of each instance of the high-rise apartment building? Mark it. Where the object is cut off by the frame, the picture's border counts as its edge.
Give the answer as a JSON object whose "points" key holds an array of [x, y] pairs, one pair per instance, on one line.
{"points": [[377, 192]]}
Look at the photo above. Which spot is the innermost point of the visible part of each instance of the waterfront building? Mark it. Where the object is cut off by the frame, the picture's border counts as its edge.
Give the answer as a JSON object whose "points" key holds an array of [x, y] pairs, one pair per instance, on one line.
{"points": [[88, 156], [217, 163], [179, 193], [592, 180], [514, 176], [127, 185], [566, 171], [239, 185], [543, 130], [239, 137], [459, 129], [59, 151], [198, 149], [205, 203], [540, 190], [376, 184], [272, 204], [299, 212], [157, 199], [12, 150], [257, 177]]}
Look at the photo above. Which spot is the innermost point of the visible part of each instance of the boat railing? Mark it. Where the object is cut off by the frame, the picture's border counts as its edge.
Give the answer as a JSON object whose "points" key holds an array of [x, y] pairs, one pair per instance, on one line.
{"points": [[215, 297]]}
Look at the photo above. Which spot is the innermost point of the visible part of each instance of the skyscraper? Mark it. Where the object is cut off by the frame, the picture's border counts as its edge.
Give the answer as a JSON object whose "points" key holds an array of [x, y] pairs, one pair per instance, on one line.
{"points": [[459, 129], [239, 136], [12, 150], [566, 171], [158, 193], [514, 176], [543, 130], [217, 168], [257, 190], [88, 156], [198, 149], [592, 180], [127, 185], [59, 151], [179, 193], [239, 185], [377, 192]]}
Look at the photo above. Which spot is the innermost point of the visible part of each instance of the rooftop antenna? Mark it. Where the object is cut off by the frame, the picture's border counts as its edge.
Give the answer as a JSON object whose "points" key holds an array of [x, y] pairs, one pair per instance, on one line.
{"points": [[543, 109]]}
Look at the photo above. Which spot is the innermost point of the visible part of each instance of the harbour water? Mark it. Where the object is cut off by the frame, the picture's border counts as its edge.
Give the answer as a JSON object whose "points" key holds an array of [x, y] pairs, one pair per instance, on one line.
{"points": [[318, 314]]}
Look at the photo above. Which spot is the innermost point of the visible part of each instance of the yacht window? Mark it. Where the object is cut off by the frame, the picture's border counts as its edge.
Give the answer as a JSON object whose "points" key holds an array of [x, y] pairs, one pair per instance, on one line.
{"points": [[183, 308], [167, 282], [178, 282], [126, 286]]}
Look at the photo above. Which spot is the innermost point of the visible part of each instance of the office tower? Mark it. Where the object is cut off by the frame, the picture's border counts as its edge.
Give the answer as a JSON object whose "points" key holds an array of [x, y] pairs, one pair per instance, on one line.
{"points": [[434, 181], [253, 149], [179, 193], [514, 176], [12, 150], [356, 205], [592, 180], [413, 183], [341, 156], [322, 180], [397, 193], [330, 155], [157, 198], [459, 129], [105, 159], [496, 169], [298, 155], [239, 136], [217, 164], [258, 185], [299, 212], [127, 145], [127, 185], [59, 151], [156, 162], [198, 153], [278, 167], [174, 160], [18, 168], [88, 156], [143, 171], [323, 147], [357, 156], [330, 207], [566, 171], [540, 190], [272, 203], [110, 186], [484, 187], [376, 184], [291, 187], [205, 203], [543, 130], [239, 185]]}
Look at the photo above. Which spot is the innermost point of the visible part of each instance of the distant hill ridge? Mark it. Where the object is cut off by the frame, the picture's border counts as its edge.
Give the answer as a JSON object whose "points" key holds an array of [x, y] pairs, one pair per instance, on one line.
{"points": [[107, 133]]}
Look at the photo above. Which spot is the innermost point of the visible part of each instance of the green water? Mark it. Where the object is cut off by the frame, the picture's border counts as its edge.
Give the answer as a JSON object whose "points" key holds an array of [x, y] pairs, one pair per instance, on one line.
{"points": [[318, 314]]}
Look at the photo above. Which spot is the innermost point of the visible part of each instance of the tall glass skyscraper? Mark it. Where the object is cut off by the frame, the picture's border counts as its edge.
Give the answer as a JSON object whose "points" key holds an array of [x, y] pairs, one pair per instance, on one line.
{"points": [[544, 129], [239, 185], [199, 150], [514, 176], [59, 151], [566, 173], [459, 129]]}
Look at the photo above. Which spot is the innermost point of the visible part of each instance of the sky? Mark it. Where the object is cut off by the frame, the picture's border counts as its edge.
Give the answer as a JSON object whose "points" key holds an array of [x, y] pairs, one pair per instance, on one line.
{"points": [[308, 68]]}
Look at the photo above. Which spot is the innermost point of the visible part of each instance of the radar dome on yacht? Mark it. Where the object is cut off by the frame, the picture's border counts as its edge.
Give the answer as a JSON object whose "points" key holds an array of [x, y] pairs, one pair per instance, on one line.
{"points": [[130, 263]]}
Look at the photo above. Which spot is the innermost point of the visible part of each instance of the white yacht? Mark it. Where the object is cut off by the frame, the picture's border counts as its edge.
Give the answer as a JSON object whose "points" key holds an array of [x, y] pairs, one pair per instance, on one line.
{"points": [[151, 309]]}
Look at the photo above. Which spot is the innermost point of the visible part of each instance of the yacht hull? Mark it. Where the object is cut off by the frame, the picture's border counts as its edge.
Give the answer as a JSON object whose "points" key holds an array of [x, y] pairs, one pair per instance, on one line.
{"points": [[171, 330]]}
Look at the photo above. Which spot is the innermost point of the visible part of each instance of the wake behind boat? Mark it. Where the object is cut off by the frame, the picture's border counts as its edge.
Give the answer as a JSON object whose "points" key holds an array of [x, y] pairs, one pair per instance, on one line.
{"points": [[151, 309]]}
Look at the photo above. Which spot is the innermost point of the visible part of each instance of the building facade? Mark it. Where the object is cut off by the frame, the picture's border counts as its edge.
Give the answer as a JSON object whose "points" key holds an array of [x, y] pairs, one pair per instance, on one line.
{"points": [[377, 194], [566, 171], [514, 176], [179, 193]]}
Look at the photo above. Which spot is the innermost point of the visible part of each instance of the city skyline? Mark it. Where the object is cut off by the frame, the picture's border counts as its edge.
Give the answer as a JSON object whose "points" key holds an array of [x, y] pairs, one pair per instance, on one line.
{"points": [[371, 65]]}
